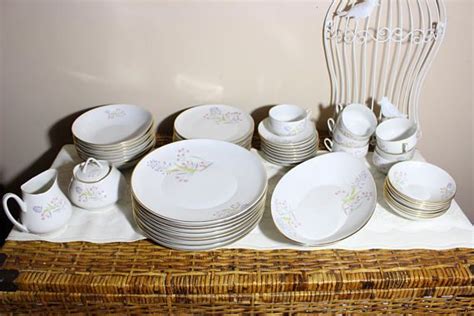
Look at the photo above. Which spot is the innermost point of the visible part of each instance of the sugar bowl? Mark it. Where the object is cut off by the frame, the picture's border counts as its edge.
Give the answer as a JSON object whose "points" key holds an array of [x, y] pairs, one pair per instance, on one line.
{"points": [[96, 184]]}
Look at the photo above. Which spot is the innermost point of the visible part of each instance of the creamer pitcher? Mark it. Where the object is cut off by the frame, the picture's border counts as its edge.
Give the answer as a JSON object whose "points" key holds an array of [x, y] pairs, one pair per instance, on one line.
{"points": [[44, 206]]}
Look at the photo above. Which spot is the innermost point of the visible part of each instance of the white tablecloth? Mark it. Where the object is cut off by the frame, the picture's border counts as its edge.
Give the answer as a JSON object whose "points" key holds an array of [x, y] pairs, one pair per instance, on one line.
{"points": [[384, 230]]}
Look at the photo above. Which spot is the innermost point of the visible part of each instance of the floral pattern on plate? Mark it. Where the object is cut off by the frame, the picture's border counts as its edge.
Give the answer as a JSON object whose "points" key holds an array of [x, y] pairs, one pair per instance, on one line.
{"points": [[53, 206], [447, 191], [231, 210], [220, 117], [112, 114], [354, 197], [286, 219], [399, 179], [92, 193], [183, 168]]}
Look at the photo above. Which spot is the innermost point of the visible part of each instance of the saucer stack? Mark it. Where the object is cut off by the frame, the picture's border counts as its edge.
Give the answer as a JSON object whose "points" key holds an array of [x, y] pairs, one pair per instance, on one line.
{"points": [[198, 194], [288, 150], [215, 121], [118, 133], [418, 190]]}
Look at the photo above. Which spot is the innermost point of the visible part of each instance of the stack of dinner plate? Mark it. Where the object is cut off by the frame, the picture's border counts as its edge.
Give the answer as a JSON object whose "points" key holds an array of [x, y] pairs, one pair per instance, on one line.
{"points": [[198, 194], [288, 150], [118, 133], [215, 121], [418, 190]]}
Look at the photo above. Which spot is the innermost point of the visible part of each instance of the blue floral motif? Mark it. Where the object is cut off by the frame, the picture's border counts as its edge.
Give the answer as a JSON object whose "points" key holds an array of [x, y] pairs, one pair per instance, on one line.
{"points": [[219, 117], [184, 167]]}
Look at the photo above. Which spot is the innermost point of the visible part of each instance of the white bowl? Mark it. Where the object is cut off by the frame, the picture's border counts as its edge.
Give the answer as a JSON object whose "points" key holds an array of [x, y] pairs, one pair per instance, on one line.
{"points": [[357, 121], [422, 181], [112, 124], [396, 135], [324, 199]]}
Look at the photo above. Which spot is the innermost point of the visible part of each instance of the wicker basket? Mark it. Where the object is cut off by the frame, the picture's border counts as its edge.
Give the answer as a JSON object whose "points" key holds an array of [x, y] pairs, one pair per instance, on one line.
{"points": [[141, 277]]}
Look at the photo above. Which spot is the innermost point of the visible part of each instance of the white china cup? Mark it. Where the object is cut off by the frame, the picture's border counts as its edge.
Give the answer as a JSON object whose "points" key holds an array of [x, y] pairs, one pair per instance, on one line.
{"points": [[44, 207], [342, 138], [384, 161], [396, 135], [357, 121], [96, 193], [358, 152], [288, 119], [382, 164], [398, 157]]}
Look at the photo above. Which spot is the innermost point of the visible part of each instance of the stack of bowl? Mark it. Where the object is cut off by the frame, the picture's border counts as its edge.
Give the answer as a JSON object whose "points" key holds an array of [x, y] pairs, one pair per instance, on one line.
{"points": [[198, 194], [396, 141], [119, 133], [215, 121], [418, 190], [287, 136], [352, 130]]}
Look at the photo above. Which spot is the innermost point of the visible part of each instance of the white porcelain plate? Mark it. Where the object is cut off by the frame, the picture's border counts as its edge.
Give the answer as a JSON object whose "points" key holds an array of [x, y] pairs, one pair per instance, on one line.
{"points": [[214, 121], [422, 181], [111, 124], [199, 180], [324, 199]]}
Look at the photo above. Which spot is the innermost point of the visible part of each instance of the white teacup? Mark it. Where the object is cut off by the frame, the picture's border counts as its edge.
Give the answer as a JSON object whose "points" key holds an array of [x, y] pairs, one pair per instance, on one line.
{"points": [[288, 119], [357, 121], [334, 146], [342, 138], [384, 161], [44, 206], [396, 135]]}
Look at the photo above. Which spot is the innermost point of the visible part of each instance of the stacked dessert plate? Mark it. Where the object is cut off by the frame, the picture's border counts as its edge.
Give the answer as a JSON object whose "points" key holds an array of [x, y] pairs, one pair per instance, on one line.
{"points": [[215, 121], [418, 190], [198, 194], [118, 133], [324, 199], [288, 150]]}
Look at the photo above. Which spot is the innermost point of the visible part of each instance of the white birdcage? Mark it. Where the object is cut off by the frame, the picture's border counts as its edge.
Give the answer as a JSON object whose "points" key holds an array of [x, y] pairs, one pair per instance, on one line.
{"points": [[382, 48]]}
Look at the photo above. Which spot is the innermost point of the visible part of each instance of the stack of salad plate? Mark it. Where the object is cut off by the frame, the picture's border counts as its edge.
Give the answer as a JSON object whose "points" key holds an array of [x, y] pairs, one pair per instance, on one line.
{"points": [[215, 121]]}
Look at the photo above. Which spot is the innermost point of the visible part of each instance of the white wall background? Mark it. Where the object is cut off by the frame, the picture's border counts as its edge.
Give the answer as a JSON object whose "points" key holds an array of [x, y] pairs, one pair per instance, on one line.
{"points": [[60, 57]]}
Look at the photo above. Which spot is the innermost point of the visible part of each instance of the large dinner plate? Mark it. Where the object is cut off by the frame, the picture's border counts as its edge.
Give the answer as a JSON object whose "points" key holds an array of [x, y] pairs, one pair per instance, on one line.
{"points": [[324, 199], [214, 121], [199, 180]]}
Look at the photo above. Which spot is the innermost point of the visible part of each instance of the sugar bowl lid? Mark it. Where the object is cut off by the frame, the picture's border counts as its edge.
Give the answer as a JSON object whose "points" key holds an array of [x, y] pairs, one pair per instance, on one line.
{"points": [[92, 170]]}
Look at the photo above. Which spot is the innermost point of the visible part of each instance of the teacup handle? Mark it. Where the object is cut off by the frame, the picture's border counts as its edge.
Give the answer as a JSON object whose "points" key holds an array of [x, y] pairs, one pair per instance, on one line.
{"points": [[22, 205], [331, 124], [404, 147], [88, 161], [328, 143], [339, 108]]}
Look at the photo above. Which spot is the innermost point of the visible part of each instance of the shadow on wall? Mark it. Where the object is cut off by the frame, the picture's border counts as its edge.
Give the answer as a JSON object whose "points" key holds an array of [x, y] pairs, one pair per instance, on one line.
{"points": [[59, 135]]}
